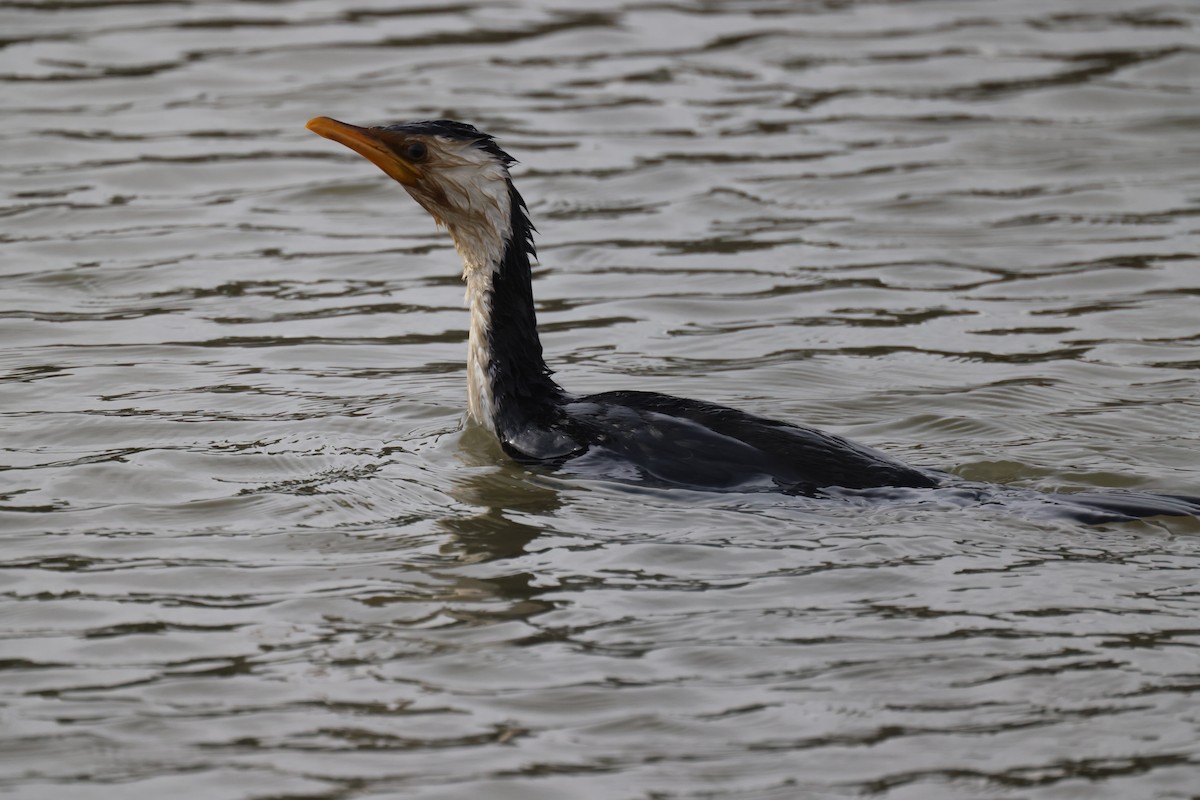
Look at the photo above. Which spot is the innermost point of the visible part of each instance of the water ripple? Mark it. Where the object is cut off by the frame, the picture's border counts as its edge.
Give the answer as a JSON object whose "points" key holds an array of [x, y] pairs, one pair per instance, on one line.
{"points": [[250, 549]]}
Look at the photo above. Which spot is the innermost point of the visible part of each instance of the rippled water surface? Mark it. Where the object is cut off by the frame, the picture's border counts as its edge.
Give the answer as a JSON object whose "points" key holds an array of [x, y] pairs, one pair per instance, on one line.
{"points": [[249, 549]]}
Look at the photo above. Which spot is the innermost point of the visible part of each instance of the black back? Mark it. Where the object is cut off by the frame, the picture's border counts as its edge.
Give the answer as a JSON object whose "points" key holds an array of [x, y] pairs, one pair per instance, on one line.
{"points": [[683, 442]]}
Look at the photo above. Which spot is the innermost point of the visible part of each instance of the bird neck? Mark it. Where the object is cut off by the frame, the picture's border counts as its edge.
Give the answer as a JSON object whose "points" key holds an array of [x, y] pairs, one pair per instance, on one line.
{"points": [[508, 382]]}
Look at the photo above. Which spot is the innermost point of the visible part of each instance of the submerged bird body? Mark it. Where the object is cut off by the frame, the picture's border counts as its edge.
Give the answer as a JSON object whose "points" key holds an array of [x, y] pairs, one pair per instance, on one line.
{"points": [[666, 440], [460, 176]]}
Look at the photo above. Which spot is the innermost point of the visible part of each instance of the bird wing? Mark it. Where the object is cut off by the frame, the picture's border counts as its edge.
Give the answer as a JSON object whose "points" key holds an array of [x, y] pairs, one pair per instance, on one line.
{"points": [[690, 442]]}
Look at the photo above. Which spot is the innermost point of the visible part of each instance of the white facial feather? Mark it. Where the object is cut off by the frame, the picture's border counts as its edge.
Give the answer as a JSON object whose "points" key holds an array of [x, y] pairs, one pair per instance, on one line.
{"points": [[469, 195]]}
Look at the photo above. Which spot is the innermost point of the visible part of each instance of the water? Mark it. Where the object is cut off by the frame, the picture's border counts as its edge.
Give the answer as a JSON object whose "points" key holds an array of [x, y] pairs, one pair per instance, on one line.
{"points": [[249, 550]]}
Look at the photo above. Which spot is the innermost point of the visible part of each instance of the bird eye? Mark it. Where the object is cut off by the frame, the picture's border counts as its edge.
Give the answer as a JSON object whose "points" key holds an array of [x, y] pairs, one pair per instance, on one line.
{"points": [[416, 151]]}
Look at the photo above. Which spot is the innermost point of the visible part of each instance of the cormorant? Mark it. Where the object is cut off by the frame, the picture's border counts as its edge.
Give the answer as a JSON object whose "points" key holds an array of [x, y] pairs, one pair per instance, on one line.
{"points": [[461, 177]]}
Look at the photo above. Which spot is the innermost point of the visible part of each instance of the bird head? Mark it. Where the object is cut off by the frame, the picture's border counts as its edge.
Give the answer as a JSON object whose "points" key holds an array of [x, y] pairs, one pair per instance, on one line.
{"points": [[454, 171]]}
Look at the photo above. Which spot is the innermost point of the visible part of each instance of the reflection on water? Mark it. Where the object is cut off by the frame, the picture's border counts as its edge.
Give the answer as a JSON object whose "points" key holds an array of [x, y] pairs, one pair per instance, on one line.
{"points": [[250, 552]]}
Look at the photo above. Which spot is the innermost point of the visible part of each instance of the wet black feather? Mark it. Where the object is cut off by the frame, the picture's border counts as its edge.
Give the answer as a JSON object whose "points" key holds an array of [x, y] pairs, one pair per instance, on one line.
{"points": [[522, 388]]}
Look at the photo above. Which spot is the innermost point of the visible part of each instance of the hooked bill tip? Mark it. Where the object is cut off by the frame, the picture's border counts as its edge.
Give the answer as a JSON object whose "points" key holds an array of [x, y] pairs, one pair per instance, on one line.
{"points": [[322, 125]]}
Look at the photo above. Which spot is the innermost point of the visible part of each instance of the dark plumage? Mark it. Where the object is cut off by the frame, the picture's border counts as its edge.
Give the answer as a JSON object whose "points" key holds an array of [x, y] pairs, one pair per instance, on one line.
{"points": [[453, 129]]}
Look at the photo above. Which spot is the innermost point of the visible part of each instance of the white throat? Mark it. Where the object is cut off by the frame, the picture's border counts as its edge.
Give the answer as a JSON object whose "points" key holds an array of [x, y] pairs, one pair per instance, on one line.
{"points": [[481, 239], [481, 403]]}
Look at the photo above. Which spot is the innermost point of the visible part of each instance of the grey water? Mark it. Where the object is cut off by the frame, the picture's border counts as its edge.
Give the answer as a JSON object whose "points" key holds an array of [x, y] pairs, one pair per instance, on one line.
{"points": [[250, 549]]}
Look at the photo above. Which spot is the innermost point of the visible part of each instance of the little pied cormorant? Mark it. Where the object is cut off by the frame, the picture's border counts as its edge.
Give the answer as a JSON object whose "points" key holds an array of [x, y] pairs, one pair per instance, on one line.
{"points": [[461, 177]]}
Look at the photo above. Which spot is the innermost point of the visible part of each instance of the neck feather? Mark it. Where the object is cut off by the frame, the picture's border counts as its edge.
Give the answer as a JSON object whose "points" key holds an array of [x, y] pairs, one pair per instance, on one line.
{"points": [[508, 382]]}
